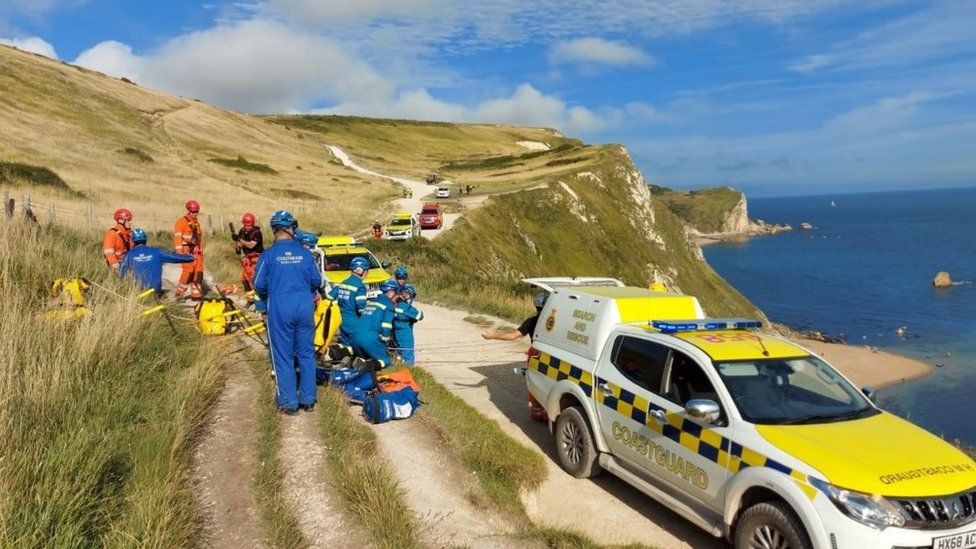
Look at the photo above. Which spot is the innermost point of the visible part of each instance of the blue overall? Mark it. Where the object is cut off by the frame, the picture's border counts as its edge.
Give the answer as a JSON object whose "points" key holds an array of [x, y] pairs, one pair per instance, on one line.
{"points": [[351, 295], [286, 279], [372, 335], [145, 264], [405, 316]]}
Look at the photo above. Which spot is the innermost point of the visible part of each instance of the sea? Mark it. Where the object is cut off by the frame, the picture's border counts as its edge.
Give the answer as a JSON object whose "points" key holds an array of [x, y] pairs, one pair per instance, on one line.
{"points": [[864, 271]]}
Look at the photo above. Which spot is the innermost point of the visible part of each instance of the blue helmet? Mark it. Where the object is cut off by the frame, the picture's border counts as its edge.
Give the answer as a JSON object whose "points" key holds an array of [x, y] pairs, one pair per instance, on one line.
{"points": [[138, 236], [283, 220], [389, 285], [359, 263], [309, 240], [400, 272], [410, 290]]}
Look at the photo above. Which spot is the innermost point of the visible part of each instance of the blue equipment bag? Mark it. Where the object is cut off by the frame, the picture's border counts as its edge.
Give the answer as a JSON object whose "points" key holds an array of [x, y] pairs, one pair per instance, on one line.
{"points": [[354, 383], [322, 374], [380, 407]]}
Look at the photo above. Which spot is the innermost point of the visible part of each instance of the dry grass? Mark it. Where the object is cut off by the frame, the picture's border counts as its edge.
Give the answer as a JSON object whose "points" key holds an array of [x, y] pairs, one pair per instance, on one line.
{"points": [[98, 414], [75, 122]]}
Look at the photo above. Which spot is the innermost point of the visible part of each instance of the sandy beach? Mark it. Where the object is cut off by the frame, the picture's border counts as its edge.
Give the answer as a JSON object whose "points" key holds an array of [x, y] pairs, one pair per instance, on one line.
{"points": [[866, 367]]}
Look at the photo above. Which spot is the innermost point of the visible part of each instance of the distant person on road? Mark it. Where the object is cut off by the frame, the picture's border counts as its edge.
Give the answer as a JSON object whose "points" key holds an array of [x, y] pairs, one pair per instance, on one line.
{"points": [[377, 229], [286, 282], [145, 263], [536, 411], [118, 239]]}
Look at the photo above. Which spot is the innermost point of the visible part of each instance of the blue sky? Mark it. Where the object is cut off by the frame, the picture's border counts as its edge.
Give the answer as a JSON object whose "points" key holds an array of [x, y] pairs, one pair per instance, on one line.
{"points": [[774, 97]]}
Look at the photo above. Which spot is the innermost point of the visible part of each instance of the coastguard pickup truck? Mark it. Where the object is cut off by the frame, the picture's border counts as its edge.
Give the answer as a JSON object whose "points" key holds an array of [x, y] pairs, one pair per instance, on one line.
{"points": [[747, 435]]}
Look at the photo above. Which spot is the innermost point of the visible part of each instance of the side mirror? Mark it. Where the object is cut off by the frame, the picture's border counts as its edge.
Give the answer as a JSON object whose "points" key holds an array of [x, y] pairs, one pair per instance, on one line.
{"points": [[385, 264], [706, 411], [871, 393], [519, 370]]}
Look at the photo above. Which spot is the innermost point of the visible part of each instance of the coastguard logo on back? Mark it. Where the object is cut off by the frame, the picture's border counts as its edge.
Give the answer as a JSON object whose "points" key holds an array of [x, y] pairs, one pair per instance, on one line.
{"points": [[551, 321]]}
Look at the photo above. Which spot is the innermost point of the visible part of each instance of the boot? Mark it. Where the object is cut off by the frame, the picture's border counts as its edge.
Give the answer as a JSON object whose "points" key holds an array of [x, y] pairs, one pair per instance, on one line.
{"points": [[180, 291], [195, 292]]}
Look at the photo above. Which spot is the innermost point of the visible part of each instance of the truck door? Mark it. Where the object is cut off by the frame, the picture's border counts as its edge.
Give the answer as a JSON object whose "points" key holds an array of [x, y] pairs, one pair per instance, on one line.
{"points": [[633, 390]]}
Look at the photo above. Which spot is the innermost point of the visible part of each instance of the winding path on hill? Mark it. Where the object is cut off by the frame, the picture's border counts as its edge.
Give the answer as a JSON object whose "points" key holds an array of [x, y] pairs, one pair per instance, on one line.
{"points": [[421, 190]]}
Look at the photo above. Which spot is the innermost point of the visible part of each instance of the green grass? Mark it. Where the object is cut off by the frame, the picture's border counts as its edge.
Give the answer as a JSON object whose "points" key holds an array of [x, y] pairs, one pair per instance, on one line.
{"points": [[556, 538], [504, 467], [136, 153], [281, 526], [242, 163], [364, 479], [703, 209], [98, 415], [14, 173]]}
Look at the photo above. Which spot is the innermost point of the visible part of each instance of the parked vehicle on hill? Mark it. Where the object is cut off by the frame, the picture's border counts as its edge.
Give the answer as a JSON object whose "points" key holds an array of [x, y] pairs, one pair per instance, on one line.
{"points": [[402, 226], [431, 216], [745, 434], [443, 192]]}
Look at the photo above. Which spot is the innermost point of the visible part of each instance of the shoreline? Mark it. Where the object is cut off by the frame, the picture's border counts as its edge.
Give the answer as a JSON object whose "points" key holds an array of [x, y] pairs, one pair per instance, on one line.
{"points": [[867, 367]]}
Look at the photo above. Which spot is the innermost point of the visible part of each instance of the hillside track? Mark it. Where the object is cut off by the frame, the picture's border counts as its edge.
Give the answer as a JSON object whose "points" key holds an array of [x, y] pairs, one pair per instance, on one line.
{"points": [[481, 373], [421, 191]]}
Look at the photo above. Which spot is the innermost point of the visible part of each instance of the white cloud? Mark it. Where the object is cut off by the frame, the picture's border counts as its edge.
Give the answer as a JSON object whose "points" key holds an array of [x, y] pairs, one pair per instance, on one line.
{"points": [[255, 66], [332, 10], [885, 114], [32, 44], [598, 51], [943, 29]]}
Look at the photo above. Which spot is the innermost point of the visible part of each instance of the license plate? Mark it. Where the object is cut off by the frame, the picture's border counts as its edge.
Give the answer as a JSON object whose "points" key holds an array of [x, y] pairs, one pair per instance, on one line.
{"points": [[965, 540]]}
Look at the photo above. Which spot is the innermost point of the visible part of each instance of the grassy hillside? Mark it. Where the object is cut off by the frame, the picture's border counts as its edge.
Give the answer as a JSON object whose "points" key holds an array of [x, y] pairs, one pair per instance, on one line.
{"points": [[703, 209], [598, 222], [97, 414], [116, 144]]}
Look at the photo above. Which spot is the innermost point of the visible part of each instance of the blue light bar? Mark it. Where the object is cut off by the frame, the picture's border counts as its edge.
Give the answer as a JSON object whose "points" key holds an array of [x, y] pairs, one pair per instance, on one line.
{"points": [[704, 324]]}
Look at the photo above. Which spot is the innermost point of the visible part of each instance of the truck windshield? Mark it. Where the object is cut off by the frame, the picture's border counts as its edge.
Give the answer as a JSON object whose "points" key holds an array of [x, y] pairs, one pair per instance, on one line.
{"points": [[340, 262], [429, 211], [400, 223], [792, 391]]}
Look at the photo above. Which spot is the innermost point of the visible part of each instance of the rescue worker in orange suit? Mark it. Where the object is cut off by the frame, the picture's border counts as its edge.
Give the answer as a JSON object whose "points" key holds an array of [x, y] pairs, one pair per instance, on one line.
{"points": [[118, 240], [188, 239], [250, 244]]}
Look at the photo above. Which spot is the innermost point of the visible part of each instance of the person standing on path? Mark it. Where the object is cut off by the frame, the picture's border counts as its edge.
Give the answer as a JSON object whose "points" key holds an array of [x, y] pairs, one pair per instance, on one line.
{"points": [[118, 239], [286, 282], [188, 239], [405, 316], [527, 328], [250, 244], [145, 263]]}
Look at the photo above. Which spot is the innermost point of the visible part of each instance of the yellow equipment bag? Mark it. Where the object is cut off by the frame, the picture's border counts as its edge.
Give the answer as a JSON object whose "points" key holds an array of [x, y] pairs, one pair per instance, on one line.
{"points": [[212, 315], [69, 295], [327, 320]]}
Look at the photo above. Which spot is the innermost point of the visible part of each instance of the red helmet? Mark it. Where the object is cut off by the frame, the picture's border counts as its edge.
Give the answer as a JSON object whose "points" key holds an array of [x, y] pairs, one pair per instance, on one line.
{"points": [[248, 220], [123, 214], [192, 206]]}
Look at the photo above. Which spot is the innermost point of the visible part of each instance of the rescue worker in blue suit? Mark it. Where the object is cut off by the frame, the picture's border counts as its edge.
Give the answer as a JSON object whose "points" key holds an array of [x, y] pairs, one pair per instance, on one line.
{"points": [[405, 316], [400, 274], [145, 263], [311, 243], [351, 295], [372, 336], [286, 280]]}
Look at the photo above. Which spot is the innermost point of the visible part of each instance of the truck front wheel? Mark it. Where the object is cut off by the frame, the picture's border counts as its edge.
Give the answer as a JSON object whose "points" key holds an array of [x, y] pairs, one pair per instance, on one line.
{"points": [[770, 525], [577, 453]]}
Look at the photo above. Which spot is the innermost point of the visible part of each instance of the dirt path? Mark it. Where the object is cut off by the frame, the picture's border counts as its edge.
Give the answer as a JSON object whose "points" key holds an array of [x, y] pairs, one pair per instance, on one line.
{"points": [[223, 465], [436, 487], [480, 372], [422, 192]]}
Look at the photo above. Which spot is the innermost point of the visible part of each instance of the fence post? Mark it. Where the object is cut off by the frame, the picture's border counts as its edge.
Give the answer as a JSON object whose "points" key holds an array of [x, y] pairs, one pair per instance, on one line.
{"points": [[210, 224], [51, 213], [90, 215], [27, 206], [8, 205]]}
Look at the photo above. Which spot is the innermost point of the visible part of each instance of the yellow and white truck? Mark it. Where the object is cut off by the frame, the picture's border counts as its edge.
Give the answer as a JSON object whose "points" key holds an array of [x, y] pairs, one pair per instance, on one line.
{"points": [[745, 434]]}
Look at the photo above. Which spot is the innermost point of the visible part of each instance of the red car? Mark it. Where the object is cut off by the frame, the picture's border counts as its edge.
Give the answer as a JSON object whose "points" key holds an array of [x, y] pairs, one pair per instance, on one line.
{"points": [[431, 217]]}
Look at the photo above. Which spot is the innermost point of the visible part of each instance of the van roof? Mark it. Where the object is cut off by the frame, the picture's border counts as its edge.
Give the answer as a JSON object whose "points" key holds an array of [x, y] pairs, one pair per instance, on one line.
{"points": [[336, 240], [402, 215], [723, 345], [641, 304], [340, 249]]}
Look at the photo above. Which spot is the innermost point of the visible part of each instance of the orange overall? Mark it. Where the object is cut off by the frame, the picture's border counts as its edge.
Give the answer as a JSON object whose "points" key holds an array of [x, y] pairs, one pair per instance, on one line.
{"points": [[116, 243], [249, 257], [188, 239]]}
